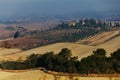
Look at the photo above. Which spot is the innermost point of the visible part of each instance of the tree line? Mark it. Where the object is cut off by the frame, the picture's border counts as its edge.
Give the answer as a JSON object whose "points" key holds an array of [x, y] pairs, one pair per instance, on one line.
{"points": [[88, 24], [64, 61]]}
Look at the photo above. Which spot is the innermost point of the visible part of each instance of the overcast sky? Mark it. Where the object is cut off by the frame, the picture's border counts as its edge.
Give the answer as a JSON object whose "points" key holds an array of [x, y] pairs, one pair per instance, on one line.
{"points": [[23, 8]]}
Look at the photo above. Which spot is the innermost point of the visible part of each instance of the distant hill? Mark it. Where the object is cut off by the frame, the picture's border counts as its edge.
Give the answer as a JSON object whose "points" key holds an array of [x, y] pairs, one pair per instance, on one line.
{"points": [[115, 18], [25, 28], [71, 31], [23, 43]]}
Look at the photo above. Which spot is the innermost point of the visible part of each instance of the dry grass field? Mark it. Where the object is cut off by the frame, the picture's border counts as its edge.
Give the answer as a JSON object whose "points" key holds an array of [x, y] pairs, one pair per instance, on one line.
{"points": [[99, 38], [4, 51], [77, 50], [40, 75]]}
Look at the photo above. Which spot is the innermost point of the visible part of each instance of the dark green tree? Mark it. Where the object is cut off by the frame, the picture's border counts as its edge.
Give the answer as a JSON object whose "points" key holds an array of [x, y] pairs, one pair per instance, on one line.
{"points": [[16, 35], [116, 55], [100, 52], [115, 61], [31, 61], [45, 60], [66, 53]]}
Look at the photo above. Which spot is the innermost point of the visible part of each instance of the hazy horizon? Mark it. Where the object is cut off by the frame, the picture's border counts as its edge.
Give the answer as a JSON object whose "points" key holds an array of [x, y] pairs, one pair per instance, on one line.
{"points": [[83, 8]]}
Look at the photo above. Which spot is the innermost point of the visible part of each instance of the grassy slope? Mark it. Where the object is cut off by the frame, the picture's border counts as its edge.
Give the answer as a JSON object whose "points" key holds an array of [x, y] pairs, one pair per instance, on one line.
{"points": [[111, 45], [4, 52], [27, 75], [77, 49], [80, 50], [99, 38], [39, 75]]}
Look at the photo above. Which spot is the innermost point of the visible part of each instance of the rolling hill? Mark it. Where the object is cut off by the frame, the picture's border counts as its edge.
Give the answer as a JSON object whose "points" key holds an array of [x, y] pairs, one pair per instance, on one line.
{"points": [[77, 50], [107, 40], [82, 48], [99, 38]]}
